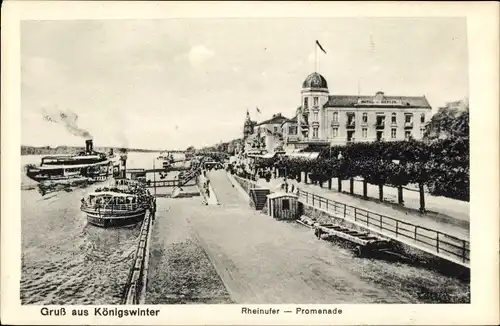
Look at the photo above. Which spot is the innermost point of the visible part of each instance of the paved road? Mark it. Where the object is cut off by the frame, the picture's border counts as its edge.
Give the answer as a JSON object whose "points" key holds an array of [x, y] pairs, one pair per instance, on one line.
{"points": [[261, 260], [225, 192]]}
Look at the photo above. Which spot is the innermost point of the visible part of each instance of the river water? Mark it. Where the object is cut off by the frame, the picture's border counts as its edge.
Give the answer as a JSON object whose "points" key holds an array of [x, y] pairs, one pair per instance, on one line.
{"points": [[64, 259]]}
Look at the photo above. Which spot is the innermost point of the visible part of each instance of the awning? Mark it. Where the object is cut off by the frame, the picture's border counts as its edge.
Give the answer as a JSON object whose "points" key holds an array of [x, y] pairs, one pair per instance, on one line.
{"points": [[267, 155], [307, 155]]}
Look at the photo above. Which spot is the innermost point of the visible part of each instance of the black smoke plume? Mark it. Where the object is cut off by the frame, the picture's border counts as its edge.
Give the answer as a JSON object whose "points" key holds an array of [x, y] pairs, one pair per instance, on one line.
{"points": [[69, 120]]}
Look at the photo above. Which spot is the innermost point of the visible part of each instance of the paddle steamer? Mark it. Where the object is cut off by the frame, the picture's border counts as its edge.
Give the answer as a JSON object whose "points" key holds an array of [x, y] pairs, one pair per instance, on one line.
{"points": [[86, 166], [124, 203]]}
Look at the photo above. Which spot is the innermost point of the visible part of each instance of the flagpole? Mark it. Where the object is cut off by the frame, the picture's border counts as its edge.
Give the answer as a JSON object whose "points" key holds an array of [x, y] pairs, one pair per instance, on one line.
{"points": [[315, 57]]}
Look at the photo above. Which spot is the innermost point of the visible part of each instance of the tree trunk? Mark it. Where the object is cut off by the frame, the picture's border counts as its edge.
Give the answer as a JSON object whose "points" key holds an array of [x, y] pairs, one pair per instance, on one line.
{"points": [[365, 189], [422, 197], [330, 183], [321, 184], [400, 195], [351, 186], [381, 192], [305, 177], [339, 184], [299, 179]]}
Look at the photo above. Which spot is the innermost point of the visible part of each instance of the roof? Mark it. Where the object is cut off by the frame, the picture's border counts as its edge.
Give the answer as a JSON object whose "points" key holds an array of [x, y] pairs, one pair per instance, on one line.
{"points": [[315, 80], [369, 101], [277, 118], [281, 194], [292, 120]]}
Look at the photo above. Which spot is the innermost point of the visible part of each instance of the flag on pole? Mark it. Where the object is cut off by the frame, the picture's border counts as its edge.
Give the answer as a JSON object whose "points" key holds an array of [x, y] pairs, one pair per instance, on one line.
{"points": [[258, 110], [321, 48]]}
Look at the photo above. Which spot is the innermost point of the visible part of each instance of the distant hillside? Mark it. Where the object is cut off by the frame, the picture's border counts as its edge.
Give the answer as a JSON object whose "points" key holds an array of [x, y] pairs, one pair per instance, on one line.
{"points": [[47, 150]]}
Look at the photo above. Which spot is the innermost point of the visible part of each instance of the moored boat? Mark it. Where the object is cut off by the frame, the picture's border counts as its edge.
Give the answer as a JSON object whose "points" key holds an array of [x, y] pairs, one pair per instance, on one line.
{"points": [[87, 165], [126, 203]]}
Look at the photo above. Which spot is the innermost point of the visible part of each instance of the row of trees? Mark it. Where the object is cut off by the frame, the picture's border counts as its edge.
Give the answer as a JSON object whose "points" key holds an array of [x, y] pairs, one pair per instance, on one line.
{"points": [[441, 165]]}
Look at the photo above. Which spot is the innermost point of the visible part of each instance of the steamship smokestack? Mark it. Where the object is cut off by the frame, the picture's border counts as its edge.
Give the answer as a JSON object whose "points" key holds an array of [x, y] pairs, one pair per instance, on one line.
{"points": [[89, 146], [123, 159]]}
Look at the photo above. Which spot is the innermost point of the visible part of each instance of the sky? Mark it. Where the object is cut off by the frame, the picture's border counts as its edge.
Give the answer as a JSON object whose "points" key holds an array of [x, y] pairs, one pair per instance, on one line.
{"points": [[173, 83]]}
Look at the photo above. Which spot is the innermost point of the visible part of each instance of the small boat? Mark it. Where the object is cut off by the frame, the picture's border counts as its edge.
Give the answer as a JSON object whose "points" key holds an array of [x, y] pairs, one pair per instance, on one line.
{"points": [[124, 204], [88, 165]]}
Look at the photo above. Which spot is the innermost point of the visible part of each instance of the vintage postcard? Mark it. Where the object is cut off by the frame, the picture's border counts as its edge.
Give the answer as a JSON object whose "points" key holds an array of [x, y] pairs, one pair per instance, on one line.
{"points": [[250, 163]]}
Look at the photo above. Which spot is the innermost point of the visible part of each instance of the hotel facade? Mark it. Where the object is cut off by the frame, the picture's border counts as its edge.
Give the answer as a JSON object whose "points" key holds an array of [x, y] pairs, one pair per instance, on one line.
{"points": [[342, 119], [329, 120]]}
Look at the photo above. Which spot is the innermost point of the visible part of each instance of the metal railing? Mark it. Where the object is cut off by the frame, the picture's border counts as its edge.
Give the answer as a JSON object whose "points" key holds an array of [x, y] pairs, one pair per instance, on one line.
{"points": [[437, 241], [113, 207], [162, 183]]}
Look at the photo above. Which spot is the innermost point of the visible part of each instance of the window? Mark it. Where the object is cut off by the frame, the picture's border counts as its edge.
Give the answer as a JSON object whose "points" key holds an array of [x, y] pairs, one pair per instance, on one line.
{"points": [[335, 132], [393, 133], [365, 117], [422, 132], [315, 116], [286, 204], [393, 118], [275, 129], [407, 134], [291, 130], [380, 120], [380, 135], [315, 132], [315, 101], [306, 102], [335, 117], [408, 118], [351, 118], [350, 135], [422, 118], [364, 132]]}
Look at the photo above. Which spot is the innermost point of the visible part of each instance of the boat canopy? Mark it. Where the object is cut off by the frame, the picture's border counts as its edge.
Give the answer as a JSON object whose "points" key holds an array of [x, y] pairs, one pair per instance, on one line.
{"points": [[73, 166]]}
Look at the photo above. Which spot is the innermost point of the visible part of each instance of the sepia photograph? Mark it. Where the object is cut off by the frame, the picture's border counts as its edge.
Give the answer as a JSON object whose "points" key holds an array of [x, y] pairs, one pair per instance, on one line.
{"points": [[250, 161], [164, 165]]}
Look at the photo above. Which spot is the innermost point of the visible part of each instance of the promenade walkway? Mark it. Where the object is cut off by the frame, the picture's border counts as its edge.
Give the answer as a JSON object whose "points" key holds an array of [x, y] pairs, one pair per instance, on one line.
{"points": [[257, 259], [457, 227]]}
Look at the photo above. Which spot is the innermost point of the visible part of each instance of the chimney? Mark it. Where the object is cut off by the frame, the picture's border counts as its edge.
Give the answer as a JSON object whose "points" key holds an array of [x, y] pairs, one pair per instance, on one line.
{"points": [[89, 146], [123, 159]]}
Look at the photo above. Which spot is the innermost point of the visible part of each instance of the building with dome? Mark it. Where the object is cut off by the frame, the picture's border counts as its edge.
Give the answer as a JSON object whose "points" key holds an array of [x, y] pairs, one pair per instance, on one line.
{"points": [[325, 119]]}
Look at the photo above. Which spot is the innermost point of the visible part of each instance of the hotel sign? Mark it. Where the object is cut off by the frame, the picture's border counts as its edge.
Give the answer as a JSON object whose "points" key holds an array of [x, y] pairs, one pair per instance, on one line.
{"points": [[380, 102]]}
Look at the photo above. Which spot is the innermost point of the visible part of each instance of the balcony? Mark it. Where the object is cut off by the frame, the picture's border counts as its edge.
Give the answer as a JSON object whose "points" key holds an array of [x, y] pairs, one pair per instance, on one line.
{"points": [[408, 124], [351, 141], [394, 123], [350, 124], [292, 138], [335, 124], [380, 125]]}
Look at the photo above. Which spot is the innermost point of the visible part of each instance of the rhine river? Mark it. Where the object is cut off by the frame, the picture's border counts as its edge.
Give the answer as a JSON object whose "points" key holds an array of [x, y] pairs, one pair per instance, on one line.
{"points": [[65, 260]]}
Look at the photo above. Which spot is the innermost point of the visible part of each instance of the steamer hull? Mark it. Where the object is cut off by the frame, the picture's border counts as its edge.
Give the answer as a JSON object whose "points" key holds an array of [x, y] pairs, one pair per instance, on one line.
{"points": [[115, 219]]}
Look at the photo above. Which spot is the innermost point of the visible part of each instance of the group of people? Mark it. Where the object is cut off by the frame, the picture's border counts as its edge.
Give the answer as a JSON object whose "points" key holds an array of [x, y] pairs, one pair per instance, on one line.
{"points": [[288, 188]]}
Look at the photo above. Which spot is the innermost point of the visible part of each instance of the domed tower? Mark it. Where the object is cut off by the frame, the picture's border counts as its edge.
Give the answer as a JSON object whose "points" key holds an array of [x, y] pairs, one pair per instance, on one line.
{"points": [[248, 126], [314, 97]]}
